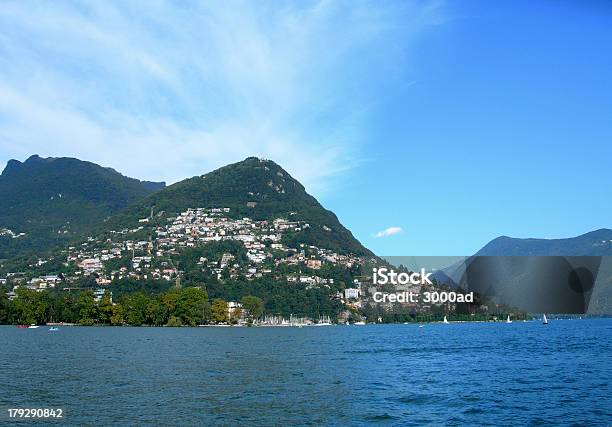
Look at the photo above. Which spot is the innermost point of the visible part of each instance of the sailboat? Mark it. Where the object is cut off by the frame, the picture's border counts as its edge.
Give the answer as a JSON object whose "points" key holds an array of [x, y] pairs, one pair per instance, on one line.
{"points": [[53, 329], [324, 321], [508, 319], [544, 319], [445, 320]]}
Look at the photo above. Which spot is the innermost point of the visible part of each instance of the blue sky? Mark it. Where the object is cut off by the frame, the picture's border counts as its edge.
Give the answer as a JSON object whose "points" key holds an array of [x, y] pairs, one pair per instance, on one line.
{"points": [[428, 127]]}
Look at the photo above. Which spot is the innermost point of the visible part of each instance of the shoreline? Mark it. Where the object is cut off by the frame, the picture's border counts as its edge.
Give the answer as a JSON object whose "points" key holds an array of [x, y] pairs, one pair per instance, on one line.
{"points": [[420, 324]]}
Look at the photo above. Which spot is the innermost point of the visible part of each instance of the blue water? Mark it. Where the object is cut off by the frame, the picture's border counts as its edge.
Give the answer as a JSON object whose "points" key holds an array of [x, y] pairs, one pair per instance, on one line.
{"points": [[457, 374]]}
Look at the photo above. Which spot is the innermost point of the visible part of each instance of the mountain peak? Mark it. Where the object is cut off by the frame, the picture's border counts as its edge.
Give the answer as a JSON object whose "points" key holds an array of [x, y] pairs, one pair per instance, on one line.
{"points": [[254, 162], [11, 167], [258, 178], [34, 161], [35, 158]]}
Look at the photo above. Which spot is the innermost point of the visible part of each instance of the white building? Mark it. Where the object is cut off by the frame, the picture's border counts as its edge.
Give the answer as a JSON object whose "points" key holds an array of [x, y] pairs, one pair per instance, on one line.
{"points": [[351, 293]]}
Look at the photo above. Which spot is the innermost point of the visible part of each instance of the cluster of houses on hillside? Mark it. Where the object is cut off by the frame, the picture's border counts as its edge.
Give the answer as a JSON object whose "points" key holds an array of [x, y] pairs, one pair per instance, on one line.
{"points": [[119, 255], [195, 227], [39, 283]]}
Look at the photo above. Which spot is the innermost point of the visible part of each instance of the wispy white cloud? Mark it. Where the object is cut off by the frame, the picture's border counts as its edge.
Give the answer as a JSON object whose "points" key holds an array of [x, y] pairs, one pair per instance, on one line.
{"points": [[166, 90], [391, 231]]}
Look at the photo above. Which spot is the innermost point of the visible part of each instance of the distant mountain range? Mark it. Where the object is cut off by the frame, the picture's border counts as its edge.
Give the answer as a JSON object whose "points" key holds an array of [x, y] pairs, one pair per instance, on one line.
{"points": [[572, 275], [48, 201], [595, 243]]}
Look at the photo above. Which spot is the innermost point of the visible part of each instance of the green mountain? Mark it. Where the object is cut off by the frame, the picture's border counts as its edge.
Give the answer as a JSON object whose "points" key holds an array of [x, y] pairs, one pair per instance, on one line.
{"points": [[246, 229], [254, 188], [52, 200]]}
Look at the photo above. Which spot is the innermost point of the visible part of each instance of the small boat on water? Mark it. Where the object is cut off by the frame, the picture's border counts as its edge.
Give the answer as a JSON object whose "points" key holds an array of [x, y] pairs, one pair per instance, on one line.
{"points": [[445, 320], [23, 326], [508, 319], [544, 319], [33, 326], [53, 329], [359, 323]]}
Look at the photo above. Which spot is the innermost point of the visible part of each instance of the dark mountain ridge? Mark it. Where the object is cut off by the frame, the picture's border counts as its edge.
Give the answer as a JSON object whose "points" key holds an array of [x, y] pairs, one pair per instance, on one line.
{"points": [[594, 243], [54, 199], [571, 275]]}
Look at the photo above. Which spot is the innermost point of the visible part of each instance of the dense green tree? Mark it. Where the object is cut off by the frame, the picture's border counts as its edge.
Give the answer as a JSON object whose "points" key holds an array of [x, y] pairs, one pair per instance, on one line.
{"points": [[118, 315], [156, 313], [86, 305], [170, 300], [253, 305], [105, 308], [219, 311], [24, 307], [190, 306], [174, 321], [135, 306], [87, 282], [4, 307], [66, 308], [29, 307]]}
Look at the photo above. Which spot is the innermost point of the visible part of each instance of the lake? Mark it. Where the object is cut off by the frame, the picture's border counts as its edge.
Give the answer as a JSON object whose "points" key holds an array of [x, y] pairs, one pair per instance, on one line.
{"points": [[522, 373]]}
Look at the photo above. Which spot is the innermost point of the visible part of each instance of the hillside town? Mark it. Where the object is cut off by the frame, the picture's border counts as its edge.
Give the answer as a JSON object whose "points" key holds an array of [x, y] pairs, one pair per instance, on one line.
{"points": [[151, 259], [149, 252], [195, 227]]}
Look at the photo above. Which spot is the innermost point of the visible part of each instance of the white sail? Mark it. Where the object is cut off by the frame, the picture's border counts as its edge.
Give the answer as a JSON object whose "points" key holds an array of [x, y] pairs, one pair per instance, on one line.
{"points": [[544, 319], [508, 319], [445, 319]]}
